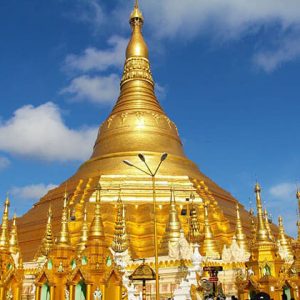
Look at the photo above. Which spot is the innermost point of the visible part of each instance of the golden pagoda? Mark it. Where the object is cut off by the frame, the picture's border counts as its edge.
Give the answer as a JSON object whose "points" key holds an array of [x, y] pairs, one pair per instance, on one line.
{"points": [[90, 252]]}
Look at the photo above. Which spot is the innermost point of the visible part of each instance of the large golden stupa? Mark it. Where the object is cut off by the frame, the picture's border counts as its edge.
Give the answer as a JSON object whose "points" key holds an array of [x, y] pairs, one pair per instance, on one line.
{"points": [[136, 124]]}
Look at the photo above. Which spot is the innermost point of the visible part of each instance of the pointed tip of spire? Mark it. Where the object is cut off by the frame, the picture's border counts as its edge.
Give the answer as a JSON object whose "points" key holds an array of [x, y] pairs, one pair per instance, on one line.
{"points": [[257, 188], [7, 201], [280, 220], [136, 13]]}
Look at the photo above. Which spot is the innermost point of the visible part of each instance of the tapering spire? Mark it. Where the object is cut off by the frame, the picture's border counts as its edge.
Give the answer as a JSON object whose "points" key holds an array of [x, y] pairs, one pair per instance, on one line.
{"points": [[285, 244], [4, 237], [84, 233], [173, 227], [239, 233], [96, 229], [267, 224], [209, 246], [64, 237], [194, 233], [47, 242], [261, 231], [13, 241], [120, 239]]}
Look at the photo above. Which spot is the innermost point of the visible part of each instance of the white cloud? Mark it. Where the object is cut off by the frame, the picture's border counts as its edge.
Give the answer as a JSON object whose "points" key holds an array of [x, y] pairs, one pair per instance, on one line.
{"points": [[31, 192], [160, 91], [40, 132], [96, 89], [269, 60], [282, 202], [88, 11], [226, 20], [4, 162], [283, 191], [230, 17], [99, 60]]}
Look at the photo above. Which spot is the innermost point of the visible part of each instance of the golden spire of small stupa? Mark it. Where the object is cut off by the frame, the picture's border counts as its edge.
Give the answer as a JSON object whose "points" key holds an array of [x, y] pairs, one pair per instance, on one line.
{"points": [[47, 242], [64, 237], [120, 239], [285, 244], [4, 237], [173, 227], [84, 233], [97, 229], [13, 240], [194, 233], [261, 231], [267, 224], [209, 246], [239, 233]]}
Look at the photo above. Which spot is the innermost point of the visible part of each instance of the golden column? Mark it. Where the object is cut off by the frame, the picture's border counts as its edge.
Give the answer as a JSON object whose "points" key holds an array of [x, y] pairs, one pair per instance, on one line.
{"points": [[149, 172]]}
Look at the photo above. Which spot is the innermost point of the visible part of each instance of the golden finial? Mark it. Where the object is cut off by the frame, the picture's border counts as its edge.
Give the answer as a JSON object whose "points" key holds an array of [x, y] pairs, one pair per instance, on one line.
{"points": [[136, 14], [97, 229], [136, 46], [64, 238], [285, 244], [120, 239], [261, 232], [4, 237], [267, 224], [209, 246], [84, 233], [298, 194], [239, 233], [13, 241]]}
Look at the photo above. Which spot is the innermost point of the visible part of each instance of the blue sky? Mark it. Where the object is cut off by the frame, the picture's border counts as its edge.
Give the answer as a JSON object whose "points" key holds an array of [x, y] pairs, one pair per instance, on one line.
{"points": [[227, 73]]}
